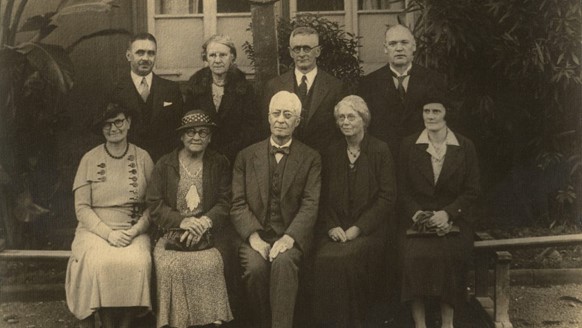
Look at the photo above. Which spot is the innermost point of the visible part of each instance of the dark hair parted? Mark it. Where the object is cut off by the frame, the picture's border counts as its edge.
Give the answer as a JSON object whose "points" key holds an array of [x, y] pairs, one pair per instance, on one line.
{"points": [[437, 98], [141, 36]]}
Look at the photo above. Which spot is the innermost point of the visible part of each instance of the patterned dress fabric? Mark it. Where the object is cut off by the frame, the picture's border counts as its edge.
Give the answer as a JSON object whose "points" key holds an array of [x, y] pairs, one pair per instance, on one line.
{"points": [[109, 195], [190, 285]]}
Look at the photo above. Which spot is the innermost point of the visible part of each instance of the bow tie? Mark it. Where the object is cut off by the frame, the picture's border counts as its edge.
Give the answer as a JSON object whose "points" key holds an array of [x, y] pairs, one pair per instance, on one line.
{"points": [[279, 150]]}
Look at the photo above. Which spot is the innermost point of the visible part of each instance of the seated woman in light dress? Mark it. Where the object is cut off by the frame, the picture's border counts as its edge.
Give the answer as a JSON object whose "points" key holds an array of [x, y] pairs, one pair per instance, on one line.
{"points": [[109, 271], [190, 190]]}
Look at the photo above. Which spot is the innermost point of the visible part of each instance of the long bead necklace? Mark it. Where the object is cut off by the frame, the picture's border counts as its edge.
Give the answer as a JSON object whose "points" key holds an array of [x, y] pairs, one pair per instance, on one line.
{"points": [[353, 157], [116, 157], [195, 174]]}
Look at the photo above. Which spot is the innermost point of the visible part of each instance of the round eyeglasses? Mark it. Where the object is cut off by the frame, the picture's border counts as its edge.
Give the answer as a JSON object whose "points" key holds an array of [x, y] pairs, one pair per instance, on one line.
{"points": [[118, 124], [349, 117], [202, 133]]}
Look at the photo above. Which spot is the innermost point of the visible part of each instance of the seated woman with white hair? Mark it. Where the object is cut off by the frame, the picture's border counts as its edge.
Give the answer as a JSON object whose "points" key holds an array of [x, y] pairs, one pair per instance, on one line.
{"points": [[357, 199]]}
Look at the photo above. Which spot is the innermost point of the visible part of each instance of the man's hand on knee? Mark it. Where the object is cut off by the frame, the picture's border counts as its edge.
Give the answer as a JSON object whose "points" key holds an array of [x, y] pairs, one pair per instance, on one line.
{"points": [[259, 245], [281, 246]]}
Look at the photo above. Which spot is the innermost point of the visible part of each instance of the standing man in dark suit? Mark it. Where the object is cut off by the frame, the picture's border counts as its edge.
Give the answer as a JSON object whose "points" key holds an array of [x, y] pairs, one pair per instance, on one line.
{"points": [[395, 93], [318, 91], [157, 101], [276, 185]]}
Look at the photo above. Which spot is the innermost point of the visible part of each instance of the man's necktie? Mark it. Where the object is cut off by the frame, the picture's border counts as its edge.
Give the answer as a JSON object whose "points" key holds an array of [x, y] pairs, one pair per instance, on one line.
{"points": [[303, 96], [400, 86], [144, 91]]}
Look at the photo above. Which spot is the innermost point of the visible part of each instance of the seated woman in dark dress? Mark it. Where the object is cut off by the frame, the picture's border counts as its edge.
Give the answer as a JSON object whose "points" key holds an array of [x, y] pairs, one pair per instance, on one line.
{"points": [[358, 196], [438, 183], [222, 90], [190, 191]]}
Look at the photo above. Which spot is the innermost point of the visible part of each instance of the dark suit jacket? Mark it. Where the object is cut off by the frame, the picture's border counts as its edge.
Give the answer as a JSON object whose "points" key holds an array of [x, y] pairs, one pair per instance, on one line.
{"points": [[374, 194], [320, 128], [457, 187], [299, 192], [154, 131], [238, 116], [393, 119]]}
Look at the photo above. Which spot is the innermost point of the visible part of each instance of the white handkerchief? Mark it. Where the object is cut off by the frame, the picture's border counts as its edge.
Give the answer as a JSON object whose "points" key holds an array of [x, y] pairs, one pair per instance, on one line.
{"points": [[166, 104], [192, 198]]}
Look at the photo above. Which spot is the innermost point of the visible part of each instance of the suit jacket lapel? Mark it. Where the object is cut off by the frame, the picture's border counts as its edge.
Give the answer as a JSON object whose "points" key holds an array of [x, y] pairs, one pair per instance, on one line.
{"points": [[423, 163], [291, 168], [412, 93], [452, 162], [288, 82], [128, 91], [156, 94], [320, 90], [261, 170]]}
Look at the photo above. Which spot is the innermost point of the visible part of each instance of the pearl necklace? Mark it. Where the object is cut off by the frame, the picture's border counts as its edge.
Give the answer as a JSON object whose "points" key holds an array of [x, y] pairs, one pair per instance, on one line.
{"points": [[116, 157]]}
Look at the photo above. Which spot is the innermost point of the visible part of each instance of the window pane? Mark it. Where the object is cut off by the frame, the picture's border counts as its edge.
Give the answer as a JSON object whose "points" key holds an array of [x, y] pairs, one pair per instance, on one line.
{"points": [[233, 6], [179, 7], [313, 5], [380, 4]]}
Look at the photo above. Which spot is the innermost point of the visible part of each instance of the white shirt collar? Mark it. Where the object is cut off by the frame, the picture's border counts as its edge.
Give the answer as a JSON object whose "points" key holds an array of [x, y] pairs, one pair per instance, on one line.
{"points": [[137, 80], [274, 144], [310, 77], [406, 72], [450, 140]]}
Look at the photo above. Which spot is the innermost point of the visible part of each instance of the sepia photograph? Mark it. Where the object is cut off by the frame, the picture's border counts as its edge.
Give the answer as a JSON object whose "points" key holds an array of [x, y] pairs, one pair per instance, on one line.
{"points": [[291, 163]]}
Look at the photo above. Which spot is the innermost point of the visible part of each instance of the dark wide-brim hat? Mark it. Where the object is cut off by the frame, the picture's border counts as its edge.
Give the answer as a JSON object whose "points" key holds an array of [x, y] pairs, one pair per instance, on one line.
{"points": [[111, 111], [196, 118]]}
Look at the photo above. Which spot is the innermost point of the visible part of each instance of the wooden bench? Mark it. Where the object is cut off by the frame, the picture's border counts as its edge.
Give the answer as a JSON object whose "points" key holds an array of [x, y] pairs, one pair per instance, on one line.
{"points": [[487, 248], [33, 255]]}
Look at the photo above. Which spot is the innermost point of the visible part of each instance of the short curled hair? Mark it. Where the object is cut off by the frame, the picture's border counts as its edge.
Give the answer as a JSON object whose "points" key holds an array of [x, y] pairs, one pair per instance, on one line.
{"points": [[358, 105], [222, 39]]}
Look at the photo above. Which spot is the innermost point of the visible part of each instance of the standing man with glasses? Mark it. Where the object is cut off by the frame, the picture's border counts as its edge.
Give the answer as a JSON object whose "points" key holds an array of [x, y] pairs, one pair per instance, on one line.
{"points": [[276, 185], [318, 91], [395, 93], [157, 101]]}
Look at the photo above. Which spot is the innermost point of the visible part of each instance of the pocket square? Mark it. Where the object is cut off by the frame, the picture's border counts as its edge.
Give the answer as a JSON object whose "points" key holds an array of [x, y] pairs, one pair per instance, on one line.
{"points": [[166, 104]]}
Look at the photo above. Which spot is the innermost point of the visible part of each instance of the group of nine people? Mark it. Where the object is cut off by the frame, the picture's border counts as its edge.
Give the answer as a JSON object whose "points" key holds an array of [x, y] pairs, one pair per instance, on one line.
{"points": [[300, 185]]}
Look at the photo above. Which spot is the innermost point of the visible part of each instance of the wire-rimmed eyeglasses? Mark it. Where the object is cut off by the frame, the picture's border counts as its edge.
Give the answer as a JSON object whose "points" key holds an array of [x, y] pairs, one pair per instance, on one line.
{"points": [[306, 49]]}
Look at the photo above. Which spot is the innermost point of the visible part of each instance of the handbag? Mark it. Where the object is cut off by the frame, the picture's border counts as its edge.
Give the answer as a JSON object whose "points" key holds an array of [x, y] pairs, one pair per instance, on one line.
{"points": [[420, 228], [173, 242]]}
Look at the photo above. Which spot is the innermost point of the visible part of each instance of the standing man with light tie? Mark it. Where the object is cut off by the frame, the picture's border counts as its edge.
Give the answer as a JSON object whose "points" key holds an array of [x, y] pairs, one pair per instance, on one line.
{"points": [[157, 102], [318, 91], [396, 92], [395, 95], [276, 185]]}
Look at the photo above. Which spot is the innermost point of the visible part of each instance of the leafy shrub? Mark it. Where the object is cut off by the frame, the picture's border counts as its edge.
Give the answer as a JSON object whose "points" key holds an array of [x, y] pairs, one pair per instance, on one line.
{"points": [[514, 67], [339, 48]]}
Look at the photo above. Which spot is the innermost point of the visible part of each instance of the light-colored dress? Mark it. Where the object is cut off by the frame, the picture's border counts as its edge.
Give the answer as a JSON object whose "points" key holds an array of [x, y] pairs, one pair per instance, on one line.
{"points": [[109, 195], [190, 285]]}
